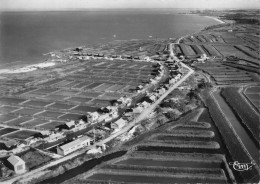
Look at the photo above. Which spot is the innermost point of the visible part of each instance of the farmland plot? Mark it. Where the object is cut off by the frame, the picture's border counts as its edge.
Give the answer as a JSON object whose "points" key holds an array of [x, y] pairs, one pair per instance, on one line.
{"points": [[52, 125], [184, 144], [60, 106], [34, 122], [11, 100], [227, 50], [198, 49], [37, 103], [28, 111], [211, 50], [18, 121], [4, 131], [84, 109], [8, 109], [50, 114], [192, 124], [248, 116], [22, 134], [6, 117]]}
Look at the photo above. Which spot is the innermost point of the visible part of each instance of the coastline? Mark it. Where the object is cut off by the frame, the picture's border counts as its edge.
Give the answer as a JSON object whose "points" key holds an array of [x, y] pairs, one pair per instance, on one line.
{"points": [[28, 68], [216, 19], [24, 68]]}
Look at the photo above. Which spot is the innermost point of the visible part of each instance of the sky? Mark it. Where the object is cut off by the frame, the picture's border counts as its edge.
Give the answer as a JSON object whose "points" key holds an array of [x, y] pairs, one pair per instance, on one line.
{"points": [[82, 4]]}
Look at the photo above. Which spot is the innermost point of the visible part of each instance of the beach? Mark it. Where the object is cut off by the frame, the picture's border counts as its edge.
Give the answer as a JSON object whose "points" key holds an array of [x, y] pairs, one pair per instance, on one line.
{"points": [[28, 68]]}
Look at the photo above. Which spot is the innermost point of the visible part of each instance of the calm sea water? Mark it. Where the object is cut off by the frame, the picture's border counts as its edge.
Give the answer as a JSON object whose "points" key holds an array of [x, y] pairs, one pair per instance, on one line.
{"points": [[25, 36]]}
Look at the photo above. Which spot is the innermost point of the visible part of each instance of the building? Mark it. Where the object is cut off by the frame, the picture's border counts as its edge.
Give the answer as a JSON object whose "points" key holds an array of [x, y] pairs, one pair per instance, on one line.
{"points": [[145, 104], [152, 98], [138, 109], [8, 144], [17, 164], [93, 116], [69, 125], [118, 124], [73, 146]]}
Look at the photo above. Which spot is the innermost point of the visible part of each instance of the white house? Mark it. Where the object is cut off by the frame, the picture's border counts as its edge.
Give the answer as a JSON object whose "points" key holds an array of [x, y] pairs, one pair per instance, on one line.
{"points": [[17, 164], [103, 117], [93, 116], [118, 124], [145, 104], [153, 98], [137, 109], [73, 146]]}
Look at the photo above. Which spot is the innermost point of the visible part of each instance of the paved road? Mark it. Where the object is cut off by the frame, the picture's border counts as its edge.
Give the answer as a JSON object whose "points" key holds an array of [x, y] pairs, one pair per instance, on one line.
{"points": [[147, 111], [142, 116]]}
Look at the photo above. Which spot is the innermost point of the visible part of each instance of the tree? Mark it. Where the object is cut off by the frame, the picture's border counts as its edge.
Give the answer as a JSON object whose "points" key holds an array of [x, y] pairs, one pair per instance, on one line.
{"points": [[171, 115]]}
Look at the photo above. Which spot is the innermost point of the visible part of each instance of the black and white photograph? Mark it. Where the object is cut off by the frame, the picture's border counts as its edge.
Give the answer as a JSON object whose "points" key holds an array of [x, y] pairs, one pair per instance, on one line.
{"points": [[129, 91]]}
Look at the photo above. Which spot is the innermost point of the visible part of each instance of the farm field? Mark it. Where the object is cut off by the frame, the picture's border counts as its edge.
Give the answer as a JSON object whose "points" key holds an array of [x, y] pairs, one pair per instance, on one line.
{"points": [[252, 94], [22, 134], [4, 131], [249, 117], [224, 75], [228, 50], [96, 83], [190, 152]]}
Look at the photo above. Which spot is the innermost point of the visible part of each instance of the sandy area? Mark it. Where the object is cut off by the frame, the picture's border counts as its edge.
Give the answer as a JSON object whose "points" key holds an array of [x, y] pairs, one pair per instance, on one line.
{"points": [[216, 19], [28, 68]]}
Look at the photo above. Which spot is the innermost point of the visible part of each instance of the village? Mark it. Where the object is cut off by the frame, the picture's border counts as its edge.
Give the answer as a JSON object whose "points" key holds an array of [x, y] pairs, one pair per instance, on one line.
{"points": [[103, 123]]}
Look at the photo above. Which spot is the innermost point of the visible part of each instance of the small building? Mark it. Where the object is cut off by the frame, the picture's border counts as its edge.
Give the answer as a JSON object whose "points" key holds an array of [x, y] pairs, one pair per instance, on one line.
{"points": [[93, 116], [73, 146], [8, 144], [145, 104], [139, 87], [69, 125], [17, 164], [118, 124], [138, 109], [152, 98], [103, 117]]}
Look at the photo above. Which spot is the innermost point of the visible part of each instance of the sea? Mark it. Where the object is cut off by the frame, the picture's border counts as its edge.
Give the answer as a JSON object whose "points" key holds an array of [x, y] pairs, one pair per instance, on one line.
{"points": [[26, 36]]}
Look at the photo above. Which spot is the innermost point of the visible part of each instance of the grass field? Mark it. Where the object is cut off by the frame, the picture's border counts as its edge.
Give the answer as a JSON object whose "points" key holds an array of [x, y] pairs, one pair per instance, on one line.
{"points": [[22, 134], [6, 117], [7, 109], [34, 122], [52, 125], [7, 130]]}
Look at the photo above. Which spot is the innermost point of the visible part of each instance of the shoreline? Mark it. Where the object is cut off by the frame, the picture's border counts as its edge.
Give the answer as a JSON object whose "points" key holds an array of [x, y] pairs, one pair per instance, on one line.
{"points": [[24, 68], [215, 18], [28, 68]]}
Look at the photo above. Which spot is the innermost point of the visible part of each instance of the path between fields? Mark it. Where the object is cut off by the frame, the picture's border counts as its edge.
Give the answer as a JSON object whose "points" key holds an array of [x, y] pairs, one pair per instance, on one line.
{"points": [[235, 124], [142, 116]]}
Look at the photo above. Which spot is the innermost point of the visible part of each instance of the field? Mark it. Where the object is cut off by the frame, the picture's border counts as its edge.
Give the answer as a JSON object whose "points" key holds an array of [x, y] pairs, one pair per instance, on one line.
{"points": [[225, 75], [189, 152], [84, 88], [6, 117], [4, 131], [231, 141], [22, 134], [243, 110], [227, 50], [252, 94], [34, 158]]}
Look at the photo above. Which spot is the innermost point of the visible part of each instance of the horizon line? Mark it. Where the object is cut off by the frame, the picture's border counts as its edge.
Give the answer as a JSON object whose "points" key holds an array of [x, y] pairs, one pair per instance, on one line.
{"points": [[109, 9]]}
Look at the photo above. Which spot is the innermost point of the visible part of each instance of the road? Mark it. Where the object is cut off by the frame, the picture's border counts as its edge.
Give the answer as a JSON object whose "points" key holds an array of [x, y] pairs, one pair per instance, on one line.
{"points": [[142, 116], [147, 111]]}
